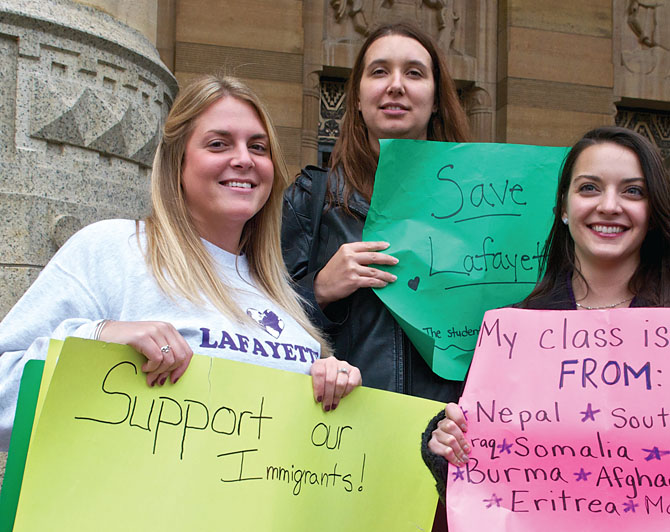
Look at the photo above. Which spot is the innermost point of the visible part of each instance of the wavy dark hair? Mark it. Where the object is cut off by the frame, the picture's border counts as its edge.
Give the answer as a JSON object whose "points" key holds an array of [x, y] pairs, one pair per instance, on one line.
{"points": [[352, 154], [651, 280]]}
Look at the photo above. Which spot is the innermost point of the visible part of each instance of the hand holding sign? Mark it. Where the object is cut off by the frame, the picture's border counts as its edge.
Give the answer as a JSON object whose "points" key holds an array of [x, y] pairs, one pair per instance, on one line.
{"points": [[333, 379], [167, 352], [349, 269], [448, 439]]}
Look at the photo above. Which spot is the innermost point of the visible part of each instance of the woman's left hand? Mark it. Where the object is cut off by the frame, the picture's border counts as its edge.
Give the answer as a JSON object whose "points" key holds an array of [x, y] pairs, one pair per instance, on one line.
{"points": [[448, 439], [332, 379]]}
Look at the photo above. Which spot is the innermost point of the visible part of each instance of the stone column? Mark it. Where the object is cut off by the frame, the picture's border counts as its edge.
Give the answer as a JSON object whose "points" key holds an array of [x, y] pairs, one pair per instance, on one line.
{"points": [[82, 100], [312, 16], [479, 107]]}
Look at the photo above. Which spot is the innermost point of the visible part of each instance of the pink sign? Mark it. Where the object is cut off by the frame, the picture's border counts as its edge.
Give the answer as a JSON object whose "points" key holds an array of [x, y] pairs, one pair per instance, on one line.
{"points": [[569, 422]]}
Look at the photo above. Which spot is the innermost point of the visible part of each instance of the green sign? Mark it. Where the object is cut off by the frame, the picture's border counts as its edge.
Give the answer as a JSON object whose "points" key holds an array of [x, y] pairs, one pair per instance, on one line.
{"points": [[468, 223]]}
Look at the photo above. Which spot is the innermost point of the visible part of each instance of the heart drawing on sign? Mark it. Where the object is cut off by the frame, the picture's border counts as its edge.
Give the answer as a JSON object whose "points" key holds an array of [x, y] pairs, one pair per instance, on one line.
{"points": [[413, 283]]}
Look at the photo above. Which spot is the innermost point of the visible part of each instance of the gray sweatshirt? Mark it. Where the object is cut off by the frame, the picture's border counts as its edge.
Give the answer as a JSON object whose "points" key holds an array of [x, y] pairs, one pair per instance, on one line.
{"points": [[101, 273]]}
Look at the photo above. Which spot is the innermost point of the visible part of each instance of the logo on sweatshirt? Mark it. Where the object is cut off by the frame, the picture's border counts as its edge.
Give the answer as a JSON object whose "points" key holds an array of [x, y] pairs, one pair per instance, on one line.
{"points": [[268, 320]]}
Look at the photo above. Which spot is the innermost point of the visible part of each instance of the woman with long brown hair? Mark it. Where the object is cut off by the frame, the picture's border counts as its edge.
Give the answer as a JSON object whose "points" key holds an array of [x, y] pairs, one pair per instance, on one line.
{"points": [[399, 88]]}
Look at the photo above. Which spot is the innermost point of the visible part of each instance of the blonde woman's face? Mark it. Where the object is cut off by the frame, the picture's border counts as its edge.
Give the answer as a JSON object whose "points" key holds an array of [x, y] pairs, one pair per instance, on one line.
{"points": [[227, 172]]}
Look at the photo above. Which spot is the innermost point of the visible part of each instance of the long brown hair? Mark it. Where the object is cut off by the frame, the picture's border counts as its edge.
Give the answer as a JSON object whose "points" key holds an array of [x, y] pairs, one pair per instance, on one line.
{"points": [[352, 154], [175, 253], [651, 280]]}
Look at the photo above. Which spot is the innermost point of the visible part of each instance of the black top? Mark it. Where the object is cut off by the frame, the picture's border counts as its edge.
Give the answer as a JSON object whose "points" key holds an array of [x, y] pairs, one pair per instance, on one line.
{"points": [[360, 328]]}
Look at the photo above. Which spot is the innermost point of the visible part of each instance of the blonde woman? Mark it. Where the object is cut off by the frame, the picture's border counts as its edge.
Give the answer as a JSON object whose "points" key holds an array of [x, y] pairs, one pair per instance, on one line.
{"points": [[203, 273]]}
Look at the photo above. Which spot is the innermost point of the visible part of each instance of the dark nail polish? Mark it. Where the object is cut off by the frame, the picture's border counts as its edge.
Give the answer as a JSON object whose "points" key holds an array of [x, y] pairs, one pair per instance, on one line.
{"points": [[319, 399], [152, 384], [327, 409], [335, 406], [163, 380]]}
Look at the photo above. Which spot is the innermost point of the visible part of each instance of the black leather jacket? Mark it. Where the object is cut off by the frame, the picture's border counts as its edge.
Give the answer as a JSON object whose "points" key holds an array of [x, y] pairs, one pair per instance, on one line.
{"points": [[361, 329]]}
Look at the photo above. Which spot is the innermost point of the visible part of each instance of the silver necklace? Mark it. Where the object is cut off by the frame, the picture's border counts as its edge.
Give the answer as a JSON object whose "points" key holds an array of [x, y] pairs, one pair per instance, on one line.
{"points": [[586, 307]]}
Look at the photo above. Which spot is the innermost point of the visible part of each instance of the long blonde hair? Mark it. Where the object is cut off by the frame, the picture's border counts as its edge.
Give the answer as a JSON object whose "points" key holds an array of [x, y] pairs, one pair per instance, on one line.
{"points": [[175, 253]]}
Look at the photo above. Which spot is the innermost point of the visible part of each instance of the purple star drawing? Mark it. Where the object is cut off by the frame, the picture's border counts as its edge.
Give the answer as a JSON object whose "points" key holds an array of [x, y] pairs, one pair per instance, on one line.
{"points": [[458, 474], [589, 413], [582, 475], [629, 506], [505, 447], [493, 500], [654, 454]]}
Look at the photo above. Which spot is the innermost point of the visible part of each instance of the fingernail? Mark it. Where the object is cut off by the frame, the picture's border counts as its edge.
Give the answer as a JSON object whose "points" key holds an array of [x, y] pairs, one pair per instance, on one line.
{"points": [[394, 277], [335, 406], [327, 408], [395, 261], [152, 384], [163, 380], [466, 448], [319, 399], [464, 459], [464, 427], [175, 381]]}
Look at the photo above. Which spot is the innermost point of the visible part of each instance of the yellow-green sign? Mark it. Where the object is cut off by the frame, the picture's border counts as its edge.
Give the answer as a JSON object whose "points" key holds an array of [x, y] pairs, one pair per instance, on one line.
{"points": [[231, 446]]}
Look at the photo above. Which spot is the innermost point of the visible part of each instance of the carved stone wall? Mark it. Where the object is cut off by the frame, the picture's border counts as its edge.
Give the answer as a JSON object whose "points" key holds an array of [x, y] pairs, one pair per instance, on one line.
{"points": [[642, 50], [141, 15], [82, 100], [642, 69], [655, 125], [331, 113], [466, 31]]}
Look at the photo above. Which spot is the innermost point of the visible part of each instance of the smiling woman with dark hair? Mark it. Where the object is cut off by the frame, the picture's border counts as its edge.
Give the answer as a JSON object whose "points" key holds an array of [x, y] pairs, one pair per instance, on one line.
{"points": [[611, 229], [609, 247]]}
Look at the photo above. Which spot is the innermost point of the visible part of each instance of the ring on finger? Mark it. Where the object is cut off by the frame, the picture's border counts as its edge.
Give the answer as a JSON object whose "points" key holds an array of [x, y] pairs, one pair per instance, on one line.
{"points": [[343, 370], [166, 348]]}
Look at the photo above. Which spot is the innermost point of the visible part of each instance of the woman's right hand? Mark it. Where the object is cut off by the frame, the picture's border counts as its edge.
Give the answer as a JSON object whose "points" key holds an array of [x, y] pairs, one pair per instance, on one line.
{"points": [[448, 439], [168, 354], [348, 270], [333, 379]]}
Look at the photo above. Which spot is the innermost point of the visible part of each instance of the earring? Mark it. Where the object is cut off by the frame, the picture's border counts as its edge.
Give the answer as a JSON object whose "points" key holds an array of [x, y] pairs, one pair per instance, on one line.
{"points": [[565, 220]]}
